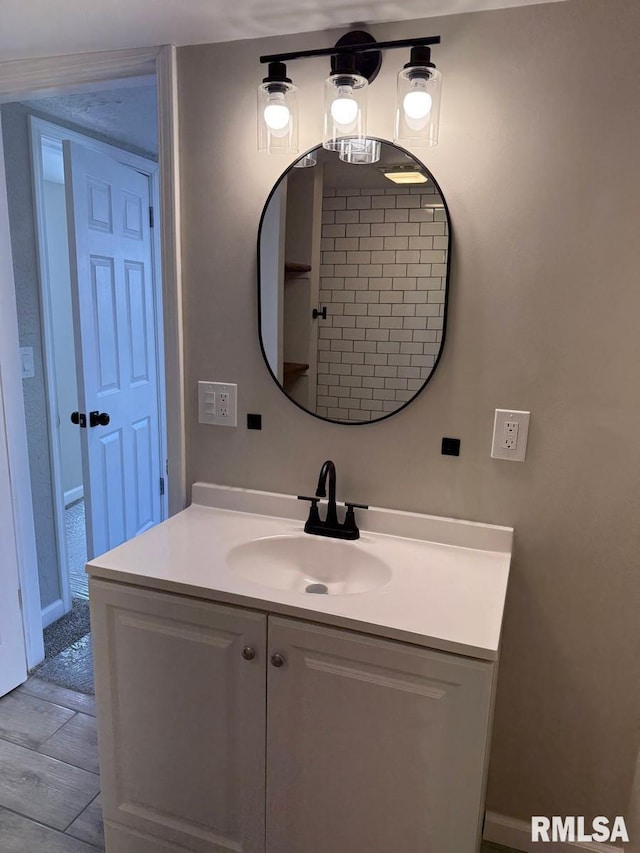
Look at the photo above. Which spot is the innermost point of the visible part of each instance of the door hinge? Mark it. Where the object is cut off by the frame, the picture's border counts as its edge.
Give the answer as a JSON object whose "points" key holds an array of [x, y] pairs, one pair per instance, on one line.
{"points": [[151, 219], [20, 597], [162, 485]]}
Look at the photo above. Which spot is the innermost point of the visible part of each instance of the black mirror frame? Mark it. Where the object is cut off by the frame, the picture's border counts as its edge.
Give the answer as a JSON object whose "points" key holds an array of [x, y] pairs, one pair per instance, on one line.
{"points": [[446, 291]]}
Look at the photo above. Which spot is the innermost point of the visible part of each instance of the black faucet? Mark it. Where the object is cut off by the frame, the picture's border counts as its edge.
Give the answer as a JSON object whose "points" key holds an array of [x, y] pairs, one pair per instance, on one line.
{"points": [[328, 468], [330, 526]]}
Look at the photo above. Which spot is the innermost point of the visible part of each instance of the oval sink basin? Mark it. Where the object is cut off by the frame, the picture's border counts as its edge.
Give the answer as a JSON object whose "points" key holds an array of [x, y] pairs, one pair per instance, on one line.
{"points": [[308, 564]]}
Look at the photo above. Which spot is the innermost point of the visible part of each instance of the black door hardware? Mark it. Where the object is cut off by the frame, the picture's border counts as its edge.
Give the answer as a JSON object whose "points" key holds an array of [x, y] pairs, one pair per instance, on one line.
{"points": [[79, 419], [317, 312], [98, 419], [95, 419]]}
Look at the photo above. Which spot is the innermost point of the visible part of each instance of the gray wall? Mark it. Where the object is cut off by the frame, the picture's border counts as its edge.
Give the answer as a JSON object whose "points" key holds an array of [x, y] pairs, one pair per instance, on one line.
{"points": [[538, 162], [15, 131]]}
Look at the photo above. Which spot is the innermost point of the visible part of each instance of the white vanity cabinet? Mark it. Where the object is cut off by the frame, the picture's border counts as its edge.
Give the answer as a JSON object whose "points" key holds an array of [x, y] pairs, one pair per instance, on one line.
{"points": [[228, 729], [181, 721], [373, 745]]}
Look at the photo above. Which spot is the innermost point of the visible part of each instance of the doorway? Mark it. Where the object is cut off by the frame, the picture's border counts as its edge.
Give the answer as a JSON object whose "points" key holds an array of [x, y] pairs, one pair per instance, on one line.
{"points": [[89, 493]]}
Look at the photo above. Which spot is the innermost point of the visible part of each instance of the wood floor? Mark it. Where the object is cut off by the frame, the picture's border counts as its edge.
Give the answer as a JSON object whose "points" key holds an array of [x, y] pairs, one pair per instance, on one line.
{"points": [[49, 782]]}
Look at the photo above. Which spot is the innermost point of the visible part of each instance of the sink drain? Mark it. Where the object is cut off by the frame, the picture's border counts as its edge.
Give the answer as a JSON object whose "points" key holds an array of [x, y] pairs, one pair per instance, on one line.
{"points": [[318, 588]]}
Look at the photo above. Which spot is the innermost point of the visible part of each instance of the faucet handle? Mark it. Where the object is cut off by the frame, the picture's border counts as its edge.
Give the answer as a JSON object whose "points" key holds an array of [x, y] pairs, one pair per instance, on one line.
{"points": [[313, 522], [350, 527]]}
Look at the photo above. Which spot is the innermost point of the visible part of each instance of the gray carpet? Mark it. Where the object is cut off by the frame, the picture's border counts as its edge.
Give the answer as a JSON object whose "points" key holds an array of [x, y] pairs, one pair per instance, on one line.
{"points": [[61, 634], [76, 536], [68, 658], [72, 668]]}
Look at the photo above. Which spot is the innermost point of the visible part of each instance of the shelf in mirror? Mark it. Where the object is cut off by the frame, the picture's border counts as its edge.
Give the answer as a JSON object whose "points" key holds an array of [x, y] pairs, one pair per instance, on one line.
{"points": [[294, 368], [293, 268]]}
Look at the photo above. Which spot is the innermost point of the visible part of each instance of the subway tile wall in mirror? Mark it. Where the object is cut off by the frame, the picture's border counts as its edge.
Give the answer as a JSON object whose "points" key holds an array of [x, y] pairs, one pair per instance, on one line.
{"points": [[382, 278]]}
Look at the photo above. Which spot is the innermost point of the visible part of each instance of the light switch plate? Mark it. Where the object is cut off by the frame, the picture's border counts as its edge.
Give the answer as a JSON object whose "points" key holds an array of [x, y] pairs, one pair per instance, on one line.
{"points": [[26, 362], [510, 432], [217, 403]]}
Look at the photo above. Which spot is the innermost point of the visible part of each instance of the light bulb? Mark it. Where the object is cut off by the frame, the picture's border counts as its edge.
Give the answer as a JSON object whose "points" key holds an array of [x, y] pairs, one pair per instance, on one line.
{"points": [[417, 102], [276, 113], [344, 110]]}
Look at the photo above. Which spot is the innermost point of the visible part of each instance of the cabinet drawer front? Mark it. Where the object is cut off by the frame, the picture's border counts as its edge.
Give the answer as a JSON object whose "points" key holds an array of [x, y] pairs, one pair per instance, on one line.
{"points": [[182, 717], [372, 745]]}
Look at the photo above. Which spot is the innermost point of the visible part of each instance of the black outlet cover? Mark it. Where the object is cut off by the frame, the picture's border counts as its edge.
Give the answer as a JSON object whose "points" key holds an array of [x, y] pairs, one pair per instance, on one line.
{"points": [[254, 421], [451, 447]]}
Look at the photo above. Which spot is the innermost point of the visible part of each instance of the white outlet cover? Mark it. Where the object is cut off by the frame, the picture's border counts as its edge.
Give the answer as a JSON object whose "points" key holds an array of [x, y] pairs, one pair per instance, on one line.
{"points": [[518, 452], [209, 410]]}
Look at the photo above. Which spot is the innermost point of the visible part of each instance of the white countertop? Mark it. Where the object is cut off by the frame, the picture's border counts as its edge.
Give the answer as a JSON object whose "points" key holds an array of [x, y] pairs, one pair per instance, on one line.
{"points": [[442, 594]]}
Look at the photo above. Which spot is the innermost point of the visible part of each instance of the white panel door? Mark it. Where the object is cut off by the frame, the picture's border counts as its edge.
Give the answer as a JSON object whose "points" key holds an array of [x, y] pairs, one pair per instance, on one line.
{"points": [[373, 745], [13, 665], [113, 303], [182, 721]]}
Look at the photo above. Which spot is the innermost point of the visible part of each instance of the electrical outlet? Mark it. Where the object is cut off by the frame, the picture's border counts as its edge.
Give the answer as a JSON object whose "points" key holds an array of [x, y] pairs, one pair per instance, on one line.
{"points": [[217, 403], [510, 431], [510, 435], [223, 404]]}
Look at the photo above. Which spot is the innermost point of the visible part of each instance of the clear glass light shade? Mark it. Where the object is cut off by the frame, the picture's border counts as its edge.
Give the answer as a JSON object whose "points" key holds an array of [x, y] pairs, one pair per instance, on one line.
{"points": [[307, 162], [345, 110], [360, 152], [277, 118], [418, 107]]}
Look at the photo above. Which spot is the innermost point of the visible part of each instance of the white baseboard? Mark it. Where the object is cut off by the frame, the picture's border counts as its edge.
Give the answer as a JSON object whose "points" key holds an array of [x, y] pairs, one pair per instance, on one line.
{"points": [[517, 834], [73, 495], [52, 612]]}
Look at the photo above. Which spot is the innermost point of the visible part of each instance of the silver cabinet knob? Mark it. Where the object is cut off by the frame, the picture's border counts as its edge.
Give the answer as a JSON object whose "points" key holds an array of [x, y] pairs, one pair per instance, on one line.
{"points": [[277, 660], [248, 653]]}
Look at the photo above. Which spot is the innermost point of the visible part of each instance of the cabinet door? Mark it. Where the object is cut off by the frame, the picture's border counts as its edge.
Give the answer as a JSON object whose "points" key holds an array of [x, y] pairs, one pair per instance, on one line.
{"points": [[181, 720], [372, 745]]}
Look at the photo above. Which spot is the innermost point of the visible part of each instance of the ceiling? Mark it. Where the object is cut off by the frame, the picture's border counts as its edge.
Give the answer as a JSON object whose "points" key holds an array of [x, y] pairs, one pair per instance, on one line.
{"points": [[47, 28], [126, 114]]}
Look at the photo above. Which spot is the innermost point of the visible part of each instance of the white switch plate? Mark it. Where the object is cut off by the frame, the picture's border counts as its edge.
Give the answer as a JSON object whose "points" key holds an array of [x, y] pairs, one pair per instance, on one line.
{"points": [[510, 431], [217, 403], [26, 362]]}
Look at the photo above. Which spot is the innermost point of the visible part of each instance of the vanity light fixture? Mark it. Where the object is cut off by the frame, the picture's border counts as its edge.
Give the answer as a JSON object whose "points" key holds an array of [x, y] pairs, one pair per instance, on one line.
{"points": [[345, 105], [360, 152], [307, 162], [355, 61], [418, 101], [277, 113]]}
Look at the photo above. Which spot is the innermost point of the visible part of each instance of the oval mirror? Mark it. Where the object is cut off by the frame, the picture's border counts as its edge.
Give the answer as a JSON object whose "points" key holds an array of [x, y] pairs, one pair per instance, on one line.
{"points": [[353, 261]]}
